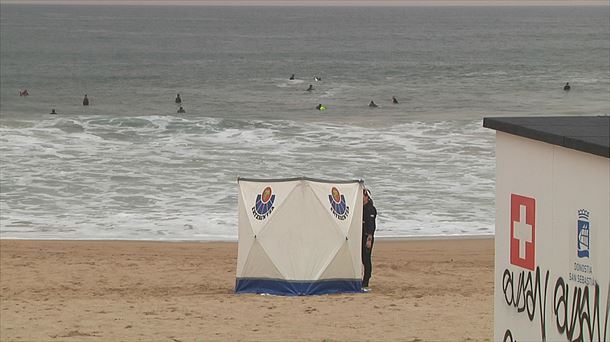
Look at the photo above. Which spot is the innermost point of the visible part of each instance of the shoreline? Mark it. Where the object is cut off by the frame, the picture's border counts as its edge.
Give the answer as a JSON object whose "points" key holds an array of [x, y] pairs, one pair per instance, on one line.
{"points": [[377, 238], [68, 290]]}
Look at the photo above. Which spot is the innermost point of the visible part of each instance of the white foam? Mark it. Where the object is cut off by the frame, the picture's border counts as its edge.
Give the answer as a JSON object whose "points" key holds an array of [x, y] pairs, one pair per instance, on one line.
{"points": [[425, 177]]}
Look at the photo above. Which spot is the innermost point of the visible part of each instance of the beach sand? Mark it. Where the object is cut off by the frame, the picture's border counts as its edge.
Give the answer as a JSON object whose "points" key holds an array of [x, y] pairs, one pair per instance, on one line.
{"points": [[423, 290]]}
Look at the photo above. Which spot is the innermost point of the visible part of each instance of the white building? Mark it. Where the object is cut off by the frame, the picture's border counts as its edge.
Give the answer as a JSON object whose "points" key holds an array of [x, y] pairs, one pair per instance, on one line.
{"points": [[552, 244]]}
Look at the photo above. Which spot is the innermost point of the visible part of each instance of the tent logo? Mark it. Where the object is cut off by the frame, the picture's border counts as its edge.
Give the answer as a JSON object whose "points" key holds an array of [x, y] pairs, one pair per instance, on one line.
{"points": [[337, 204], [583, 233], [264, 204]]}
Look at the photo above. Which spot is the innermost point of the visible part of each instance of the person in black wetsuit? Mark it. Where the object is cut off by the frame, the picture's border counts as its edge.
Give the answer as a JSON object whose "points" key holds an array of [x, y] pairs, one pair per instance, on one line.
{"points": [[567, 87], [369, 215], [178, 99], [86, 101], [394, 100]]}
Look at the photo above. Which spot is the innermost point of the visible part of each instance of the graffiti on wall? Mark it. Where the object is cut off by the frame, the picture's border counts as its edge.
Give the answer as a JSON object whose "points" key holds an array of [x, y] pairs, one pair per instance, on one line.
{"points": [[578, 311]]}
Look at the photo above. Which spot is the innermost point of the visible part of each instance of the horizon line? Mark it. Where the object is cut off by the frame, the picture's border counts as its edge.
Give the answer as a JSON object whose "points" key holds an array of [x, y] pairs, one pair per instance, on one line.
{"points": [[310, 3]]}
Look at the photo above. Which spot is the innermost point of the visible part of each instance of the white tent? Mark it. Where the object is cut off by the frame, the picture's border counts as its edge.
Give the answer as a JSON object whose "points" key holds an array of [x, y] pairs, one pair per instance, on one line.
{"points": [[299, 236]]}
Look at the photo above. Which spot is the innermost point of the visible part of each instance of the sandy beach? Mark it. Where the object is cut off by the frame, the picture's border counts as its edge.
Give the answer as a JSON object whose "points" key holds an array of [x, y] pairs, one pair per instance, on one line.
{"points": [[423, 290]]}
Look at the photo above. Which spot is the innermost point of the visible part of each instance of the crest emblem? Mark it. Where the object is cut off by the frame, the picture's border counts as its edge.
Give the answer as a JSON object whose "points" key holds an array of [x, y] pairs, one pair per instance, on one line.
{"points": [[583, 230], [338, 206], [264, 204]]}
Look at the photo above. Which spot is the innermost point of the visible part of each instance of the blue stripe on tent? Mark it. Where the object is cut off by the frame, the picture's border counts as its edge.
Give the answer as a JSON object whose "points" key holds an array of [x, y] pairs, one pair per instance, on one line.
{"points": [[297, 288]]}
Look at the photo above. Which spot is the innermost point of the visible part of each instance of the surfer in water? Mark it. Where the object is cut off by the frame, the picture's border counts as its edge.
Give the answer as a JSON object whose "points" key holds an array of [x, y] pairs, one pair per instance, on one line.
{"points": [[567, 87], [310, 88], [317, 79], [372, 104], [23, 92], [394, 100], [178, 99], [320, 107], [181, 110], [86, 101], [291, 77], [53, 111]]}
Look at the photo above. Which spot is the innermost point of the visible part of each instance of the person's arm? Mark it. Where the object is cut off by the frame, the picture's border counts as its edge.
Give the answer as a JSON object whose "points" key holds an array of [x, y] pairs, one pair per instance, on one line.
{"points": [[369, 220], [369, 224]]}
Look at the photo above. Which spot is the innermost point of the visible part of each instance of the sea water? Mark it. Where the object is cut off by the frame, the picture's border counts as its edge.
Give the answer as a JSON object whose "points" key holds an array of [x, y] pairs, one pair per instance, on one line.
{"points": [[129, 167]]}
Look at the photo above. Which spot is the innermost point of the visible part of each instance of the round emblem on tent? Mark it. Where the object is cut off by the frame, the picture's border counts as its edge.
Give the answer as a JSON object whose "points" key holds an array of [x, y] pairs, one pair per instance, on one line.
{"points": [[266, 194], [336, 194], [338, 206], [263, 204]]}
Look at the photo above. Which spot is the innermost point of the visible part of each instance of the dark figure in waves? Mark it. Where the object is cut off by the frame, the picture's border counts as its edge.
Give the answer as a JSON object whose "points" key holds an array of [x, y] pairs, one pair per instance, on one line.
{"points": [[567, 87], [372, 104], [86, 101], [178, 99], [291, 77], [181, 110]]}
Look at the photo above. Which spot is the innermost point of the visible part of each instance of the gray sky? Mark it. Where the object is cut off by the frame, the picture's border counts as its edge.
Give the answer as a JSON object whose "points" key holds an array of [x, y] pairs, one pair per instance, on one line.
{"points": [[319, 2]]}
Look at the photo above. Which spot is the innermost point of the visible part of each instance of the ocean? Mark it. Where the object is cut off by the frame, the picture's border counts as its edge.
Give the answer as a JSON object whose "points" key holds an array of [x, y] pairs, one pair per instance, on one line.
{"points": [[129, 166]]}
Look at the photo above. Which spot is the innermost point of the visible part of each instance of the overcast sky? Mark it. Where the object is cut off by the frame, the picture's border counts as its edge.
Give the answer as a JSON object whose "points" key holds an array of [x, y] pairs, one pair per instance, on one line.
{"points": [[318, 2]]}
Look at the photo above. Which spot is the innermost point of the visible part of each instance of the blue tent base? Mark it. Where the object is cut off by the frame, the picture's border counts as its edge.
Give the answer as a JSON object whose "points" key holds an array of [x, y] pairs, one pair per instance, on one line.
{"points": [[297, 288]]}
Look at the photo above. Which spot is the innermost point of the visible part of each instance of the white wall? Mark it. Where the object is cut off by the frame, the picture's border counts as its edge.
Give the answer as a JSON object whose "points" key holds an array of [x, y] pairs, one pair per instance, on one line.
{"points": [[554, 298]]}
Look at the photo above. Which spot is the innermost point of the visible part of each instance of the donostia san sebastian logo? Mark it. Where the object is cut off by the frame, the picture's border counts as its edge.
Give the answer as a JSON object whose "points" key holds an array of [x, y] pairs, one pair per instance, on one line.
{"points": [[337, 204], [264, 204], [583, 271], [583, 233]]}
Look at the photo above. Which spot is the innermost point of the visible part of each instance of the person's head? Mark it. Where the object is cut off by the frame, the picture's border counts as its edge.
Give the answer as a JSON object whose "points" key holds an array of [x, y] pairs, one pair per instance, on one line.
{"points": [[366, 196]]}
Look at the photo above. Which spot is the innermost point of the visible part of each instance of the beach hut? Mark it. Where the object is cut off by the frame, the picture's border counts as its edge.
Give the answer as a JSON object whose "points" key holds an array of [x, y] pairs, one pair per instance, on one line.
{"points": [[299, 236], [552, 243]]}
